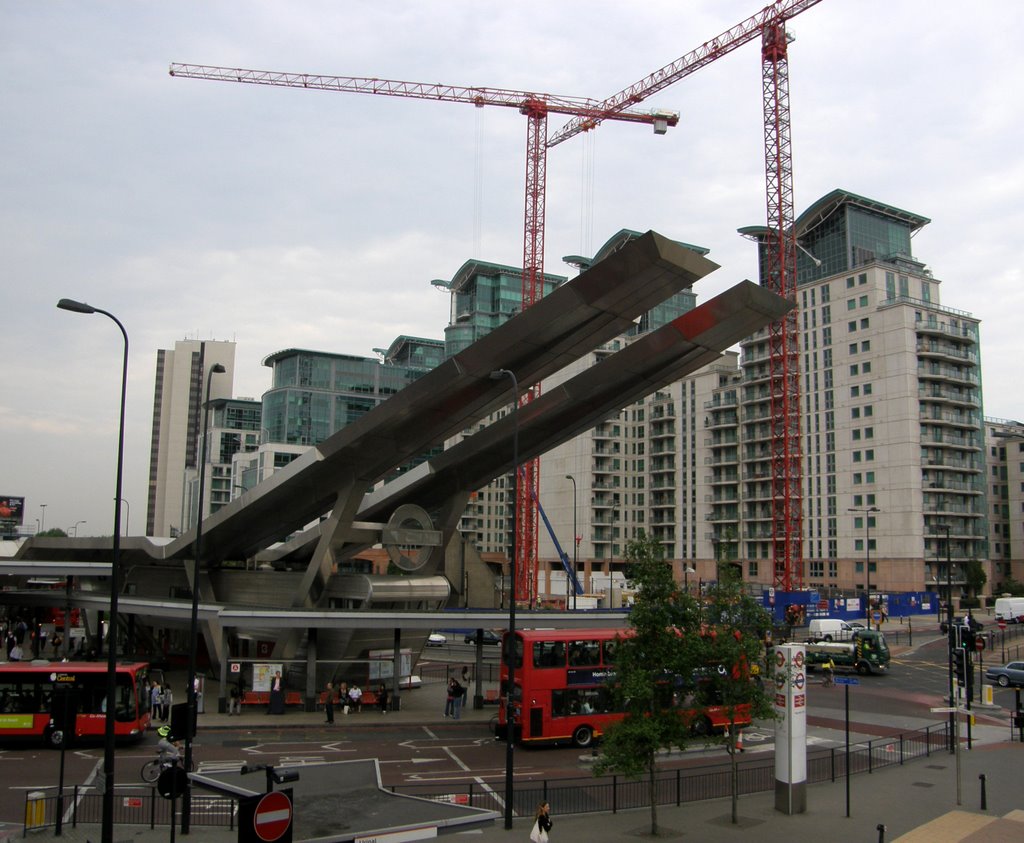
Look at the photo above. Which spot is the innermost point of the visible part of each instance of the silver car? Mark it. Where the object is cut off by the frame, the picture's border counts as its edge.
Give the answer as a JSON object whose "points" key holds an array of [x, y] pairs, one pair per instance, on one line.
{"points": [[1009, 674]]}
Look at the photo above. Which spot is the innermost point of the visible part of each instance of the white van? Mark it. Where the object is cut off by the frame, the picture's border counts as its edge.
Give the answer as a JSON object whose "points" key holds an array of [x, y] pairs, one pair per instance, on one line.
{"points": [[1010, 609], [829, 629]]}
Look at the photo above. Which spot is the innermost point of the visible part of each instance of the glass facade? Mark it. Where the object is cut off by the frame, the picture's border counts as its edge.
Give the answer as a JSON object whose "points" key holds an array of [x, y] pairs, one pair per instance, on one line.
{"points": [[316, 394]]}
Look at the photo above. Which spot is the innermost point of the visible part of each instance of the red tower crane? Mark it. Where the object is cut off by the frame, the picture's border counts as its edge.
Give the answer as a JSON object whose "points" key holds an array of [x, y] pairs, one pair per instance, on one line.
{"points": [[536, 107], [779, 272]]}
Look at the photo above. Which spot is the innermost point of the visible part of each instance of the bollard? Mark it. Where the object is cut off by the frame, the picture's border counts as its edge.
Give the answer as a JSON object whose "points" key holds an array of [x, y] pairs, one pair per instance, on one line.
{"points": [[984, 798], [881, 833], [35, 810]]}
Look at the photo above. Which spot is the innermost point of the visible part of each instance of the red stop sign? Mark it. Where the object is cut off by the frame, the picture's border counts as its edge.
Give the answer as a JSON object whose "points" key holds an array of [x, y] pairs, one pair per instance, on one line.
{"points": [[1002, 623], [273, 816], [979, 643]]}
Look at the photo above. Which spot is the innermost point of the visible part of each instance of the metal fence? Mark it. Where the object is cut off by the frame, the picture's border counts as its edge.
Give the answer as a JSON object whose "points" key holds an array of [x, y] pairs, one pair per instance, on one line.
{"points": [[133, 805], [676, 787]]}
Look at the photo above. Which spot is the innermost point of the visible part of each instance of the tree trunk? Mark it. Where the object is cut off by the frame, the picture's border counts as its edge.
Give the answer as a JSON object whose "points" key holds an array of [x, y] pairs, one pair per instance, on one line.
{"points": [[734, 777], [653, 794]]}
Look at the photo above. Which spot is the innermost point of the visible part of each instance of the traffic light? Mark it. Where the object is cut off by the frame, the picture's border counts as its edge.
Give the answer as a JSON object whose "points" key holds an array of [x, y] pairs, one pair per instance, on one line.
{"points": [[959, 657], [967, 638]]}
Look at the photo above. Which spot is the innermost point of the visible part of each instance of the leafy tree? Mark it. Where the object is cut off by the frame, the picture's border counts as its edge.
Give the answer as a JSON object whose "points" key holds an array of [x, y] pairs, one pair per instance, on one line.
{"points": [[53, 532], [646, 662], [734, 628], [1012, 587], [975, 576]]}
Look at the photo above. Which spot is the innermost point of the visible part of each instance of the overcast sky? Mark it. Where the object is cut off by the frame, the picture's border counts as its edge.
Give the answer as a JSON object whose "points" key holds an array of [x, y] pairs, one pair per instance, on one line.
{"points": [[283, 218]]}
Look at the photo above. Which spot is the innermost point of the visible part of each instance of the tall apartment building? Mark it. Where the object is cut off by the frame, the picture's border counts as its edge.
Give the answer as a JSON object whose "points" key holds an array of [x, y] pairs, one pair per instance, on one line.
{"points": [[314, 394], [890, 394], [177, 417], [1004, 444]]}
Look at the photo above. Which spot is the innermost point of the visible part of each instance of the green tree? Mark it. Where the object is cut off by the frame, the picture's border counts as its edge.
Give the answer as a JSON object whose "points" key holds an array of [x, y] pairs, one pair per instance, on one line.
{"points": [[734, 627], [646, 662], [975, 576]]}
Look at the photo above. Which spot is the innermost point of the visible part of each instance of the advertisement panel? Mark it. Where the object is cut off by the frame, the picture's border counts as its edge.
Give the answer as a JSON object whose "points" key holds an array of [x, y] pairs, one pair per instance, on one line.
{"points": [[12, 509]]}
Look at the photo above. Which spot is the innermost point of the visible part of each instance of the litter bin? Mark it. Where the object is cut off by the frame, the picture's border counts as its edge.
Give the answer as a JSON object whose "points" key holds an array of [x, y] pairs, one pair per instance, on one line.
{"points": [[35, 810]]}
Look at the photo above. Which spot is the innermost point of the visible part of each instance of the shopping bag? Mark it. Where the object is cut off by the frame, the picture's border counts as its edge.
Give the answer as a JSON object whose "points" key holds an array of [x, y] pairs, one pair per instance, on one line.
{"points": [[538, 835]]}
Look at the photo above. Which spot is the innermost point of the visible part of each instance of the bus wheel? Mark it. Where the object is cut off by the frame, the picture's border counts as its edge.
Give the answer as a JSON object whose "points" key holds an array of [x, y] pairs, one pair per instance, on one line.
{"points": [[55, 738], [583, 736]]}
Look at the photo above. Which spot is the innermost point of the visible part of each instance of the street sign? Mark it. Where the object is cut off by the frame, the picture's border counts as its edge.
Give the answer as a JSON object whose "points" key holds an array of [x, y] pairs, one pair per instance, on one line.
{"points": [[273, 816], [979, 643], [846, 680], [943, 709], [172, 782], [1002, 623]]}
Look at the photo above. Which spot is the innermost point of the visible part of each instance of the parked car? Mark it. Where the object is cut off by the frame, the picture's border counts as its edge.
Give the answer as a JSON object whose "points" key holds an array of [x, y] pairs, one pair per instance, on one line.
{"points": [[490, 637], [436, 639], [1009, 674], [969, 621]]}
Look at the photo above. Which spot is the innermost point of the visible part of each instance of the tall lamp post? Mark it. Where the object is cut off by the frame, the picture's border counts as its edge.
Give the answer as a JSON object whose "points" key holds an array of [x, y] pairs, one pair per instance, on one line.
{"points": [[867, 512], [687, 570], [950, 633], [193, 630], [575, 541], [510, 644], [107, 822], [75, 528], [127, 514], [42, 520]]}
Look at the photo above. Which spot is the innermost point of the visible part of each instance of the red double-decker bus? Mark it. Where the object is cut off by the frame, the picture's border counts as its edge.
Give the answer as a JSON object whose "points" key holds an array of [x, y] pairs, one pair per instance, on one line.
{"points": [[562, 694], [58, 701]]}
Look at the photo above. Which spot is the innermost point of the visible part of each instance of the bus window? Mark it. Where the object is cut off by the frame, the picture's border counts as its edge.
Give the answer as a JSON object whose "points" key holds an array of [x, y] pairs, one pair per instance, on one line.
{"points": [[548, 654], [611, 649], [583, 653]]}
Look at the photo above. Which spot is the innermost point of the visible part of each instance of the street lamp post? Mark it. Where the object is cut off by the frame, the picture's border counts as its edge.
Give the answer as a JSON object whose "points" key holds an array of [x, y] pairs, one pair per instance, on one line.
{"points": [[107, 821], [867, 512], [193, 630], [75, 528], [42, 521], [575, 542], [510, 644], [949, 630]]}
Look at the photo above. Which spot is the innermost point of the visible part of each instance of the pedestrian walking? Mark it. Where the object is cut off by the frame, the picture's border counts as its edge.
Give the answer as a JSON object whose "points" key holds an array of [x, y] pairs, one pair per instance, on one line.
{"points": [[465, 682], [168, 701], [235, 700], [155, 700], [541, 823], [329, 704], [276, 694], [449, 699], [457, 693]]}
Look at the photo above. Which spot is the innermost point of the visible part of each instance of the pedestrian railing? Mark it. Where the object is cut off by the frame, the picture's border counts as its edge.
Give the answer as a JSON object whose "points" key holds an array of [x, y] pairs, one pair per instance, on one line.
{"points": [[694, 784], [133, 805]]}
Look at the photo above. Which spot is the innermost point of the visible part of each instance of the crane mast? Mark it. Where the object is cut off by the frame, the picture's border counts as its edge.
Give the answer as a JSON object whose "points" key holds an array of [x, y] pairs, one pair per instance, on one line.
{"points": [[535, 107], [779, 272]]}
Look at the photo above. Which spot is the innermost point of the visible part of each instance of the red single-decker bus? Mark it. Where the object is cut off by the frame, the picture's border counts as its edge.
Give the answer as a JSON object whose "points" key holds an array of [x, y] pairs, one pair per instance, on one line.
{"points": [[64, 701]]}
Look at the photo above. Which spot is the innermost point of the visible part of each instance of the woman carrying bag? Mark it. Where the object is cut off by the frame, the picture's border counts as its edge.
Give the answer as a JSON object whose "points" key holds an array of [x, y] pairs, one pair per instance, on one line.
{"points": [[542, 823]]}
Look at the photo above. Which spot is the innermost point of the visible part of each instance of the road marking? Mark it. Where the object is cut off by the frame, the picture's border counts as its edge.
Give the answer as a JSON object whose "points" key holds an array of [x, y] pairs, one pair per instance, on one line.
{"points": [[456, 759]]}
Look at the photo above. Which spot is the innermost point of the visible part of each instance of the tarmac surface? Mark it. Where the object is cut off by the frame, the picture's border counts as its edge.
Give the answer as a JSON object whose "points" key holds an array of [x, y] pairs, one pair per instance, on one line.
{"points": [[914, 803]]}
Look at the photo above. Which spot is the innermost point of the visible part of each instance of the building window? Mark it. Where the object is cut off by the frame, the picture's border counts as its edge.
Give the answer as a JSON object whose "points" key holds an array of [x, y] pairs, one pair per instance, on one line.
{"points": [[856, 434], [854, 391], [856, 456], [865, 324], [855, 413], [854, 370], [851, 304], [866, 368], [858, 478], [869, 433], [869, 455], [853, 348], [849, 283], [865, 345], [862, 278], [869, 477], [863, 302]]}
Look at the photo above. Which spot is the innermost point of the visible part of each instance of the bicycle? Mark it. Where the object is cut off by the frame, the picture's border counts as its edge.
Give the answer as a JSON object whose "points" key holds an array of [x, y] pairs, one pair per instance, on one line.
{"points": [[152, 769], [828, 680]]}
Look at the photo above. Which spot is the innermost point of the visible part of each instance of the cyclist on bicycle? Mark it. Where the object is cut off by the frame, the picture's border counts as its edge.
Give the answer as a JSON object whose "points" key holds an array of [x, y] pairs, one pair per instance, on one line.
{"points": [[168, 746]]}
